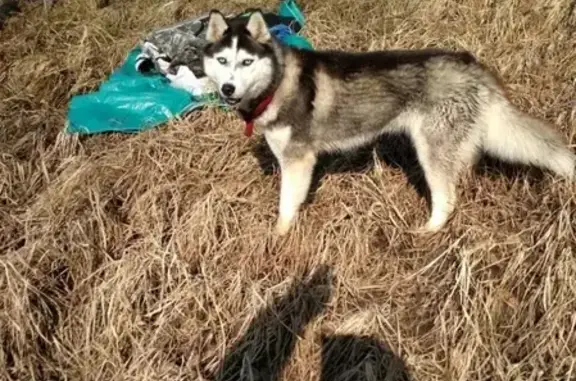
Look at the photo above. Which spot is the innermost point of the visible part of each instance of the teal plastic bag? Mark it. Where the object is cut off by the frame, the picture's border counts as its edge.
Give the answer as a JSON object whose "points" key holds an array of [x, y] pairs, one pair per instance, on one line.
{"points": [[129, 101], [289, 8]]}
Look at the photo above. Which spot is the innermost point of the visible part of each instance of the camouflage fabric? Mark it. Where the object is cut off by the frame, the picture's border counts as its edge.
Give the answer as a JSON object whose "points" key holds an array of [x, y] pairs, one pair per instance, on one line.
{"points": [[180, 44]]}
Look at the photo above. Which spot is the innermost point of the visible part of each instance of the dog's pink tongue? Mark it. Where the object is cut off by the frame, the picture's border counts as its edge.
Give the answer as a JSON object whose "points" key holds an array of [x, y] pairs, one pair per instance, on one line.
{"points": [[249, 128]]}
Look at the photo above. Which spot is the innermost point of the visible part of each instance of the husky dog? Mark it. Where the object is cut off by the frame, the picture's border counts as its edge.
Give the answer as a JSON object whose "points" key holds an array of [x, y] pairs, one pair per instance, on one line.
{"points": [[309, 102]]}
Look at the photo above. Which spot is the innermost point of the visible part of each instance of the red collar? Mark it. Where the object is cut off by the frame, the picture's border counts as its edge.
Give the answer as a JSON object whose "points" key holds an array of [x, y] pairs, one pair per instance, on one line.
{"points": [[259, 110]]}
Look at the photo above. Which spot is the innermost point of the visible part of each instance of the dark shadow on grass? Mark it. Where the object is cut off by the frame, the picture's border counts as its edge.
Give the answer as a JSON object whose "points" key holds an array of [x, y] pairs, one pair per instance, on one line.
{"points": [[394, 150], [360, 358], [262, 353], [8, 8], [495, 168]]}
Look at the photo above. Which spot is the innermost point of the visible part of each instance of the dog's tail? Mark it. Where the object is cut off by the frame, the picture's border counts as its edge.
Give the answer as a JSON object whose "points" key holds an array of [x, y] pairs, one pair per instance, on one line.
{"points": [[515, 136]]}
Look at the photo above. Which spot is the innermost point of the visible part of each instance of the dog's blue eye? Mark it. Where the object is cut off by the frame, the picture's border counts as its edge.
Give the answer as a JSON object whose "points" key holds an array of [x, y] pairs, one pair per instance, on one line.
{"points": [[222, 60], [247, 62]]}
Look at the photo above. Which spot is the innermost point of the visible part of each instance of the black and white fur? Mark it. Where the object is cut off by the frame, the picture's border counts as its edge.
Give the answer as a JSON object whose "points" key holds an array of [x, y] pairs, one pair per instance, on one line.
{"points": [[451, 106]]}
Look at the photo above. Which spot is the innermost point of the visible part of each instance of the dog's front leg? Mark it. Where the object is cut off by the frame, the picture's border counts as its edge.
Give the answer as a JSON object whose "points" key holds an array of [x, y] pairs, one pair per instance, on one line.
{"points": [[296, 175]]}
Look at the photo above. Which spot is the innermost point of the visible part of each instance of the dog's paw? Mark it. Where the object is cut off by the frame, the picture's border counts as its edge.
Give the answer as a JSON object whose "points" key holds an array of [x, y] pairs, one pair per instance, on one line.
{"points": [[427, 229], [282, 227]]}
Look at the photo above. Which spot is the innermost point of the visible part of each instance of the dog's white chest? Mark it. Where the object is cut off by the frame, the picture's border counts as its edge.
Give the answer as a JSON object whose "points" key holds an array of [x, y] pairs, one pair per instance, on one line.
{"points": [[278, 139], [269, 115]]}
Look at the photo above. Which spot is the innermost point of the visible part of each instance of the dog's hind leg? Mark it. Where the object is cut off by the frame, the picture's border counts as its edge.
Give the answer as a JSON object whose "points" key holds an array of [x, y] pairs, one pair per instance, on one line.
{"points": [[441, 181], [444, 149]]}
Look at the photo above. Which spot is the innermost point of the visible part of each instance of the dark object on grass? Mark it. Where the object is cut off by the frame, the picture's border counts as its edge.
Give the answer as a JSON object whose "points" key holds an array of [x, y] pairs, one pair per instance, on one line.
{"points": [[7, 9]]}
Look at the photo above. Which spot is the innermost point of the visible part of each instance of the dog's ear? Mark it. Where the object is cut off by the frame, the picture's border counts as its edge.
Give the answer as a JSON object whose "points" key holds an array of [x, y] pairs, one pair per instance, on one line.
{"points": [[258, 28], [217, 25]]}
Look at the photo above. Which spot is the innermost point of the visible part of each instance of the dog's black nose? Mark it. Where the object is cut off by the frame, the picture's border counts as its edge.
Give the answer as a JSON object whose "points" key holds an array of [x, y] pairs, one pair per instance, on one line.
{"points": [[228, 89]]}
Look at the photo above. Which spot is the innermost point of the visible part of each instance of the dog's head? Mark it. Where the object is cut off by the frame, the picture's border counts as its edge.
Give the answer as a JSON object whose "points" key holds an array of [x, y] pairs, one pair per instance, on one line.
{"points": [[239, 57]]}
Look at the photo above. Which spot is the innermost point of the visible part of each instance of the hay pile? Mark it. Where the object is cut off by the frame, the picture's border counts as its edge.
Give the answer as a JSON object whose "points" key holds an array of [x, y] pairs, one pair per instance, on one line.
{"points": [[149, 257]]}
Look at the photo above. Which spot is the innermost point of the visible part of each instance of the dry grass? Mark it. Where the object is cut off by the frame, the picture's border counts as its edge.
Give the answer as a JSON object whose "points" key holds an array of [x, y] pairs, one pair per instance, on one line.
{"points": [[146, 257]]}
